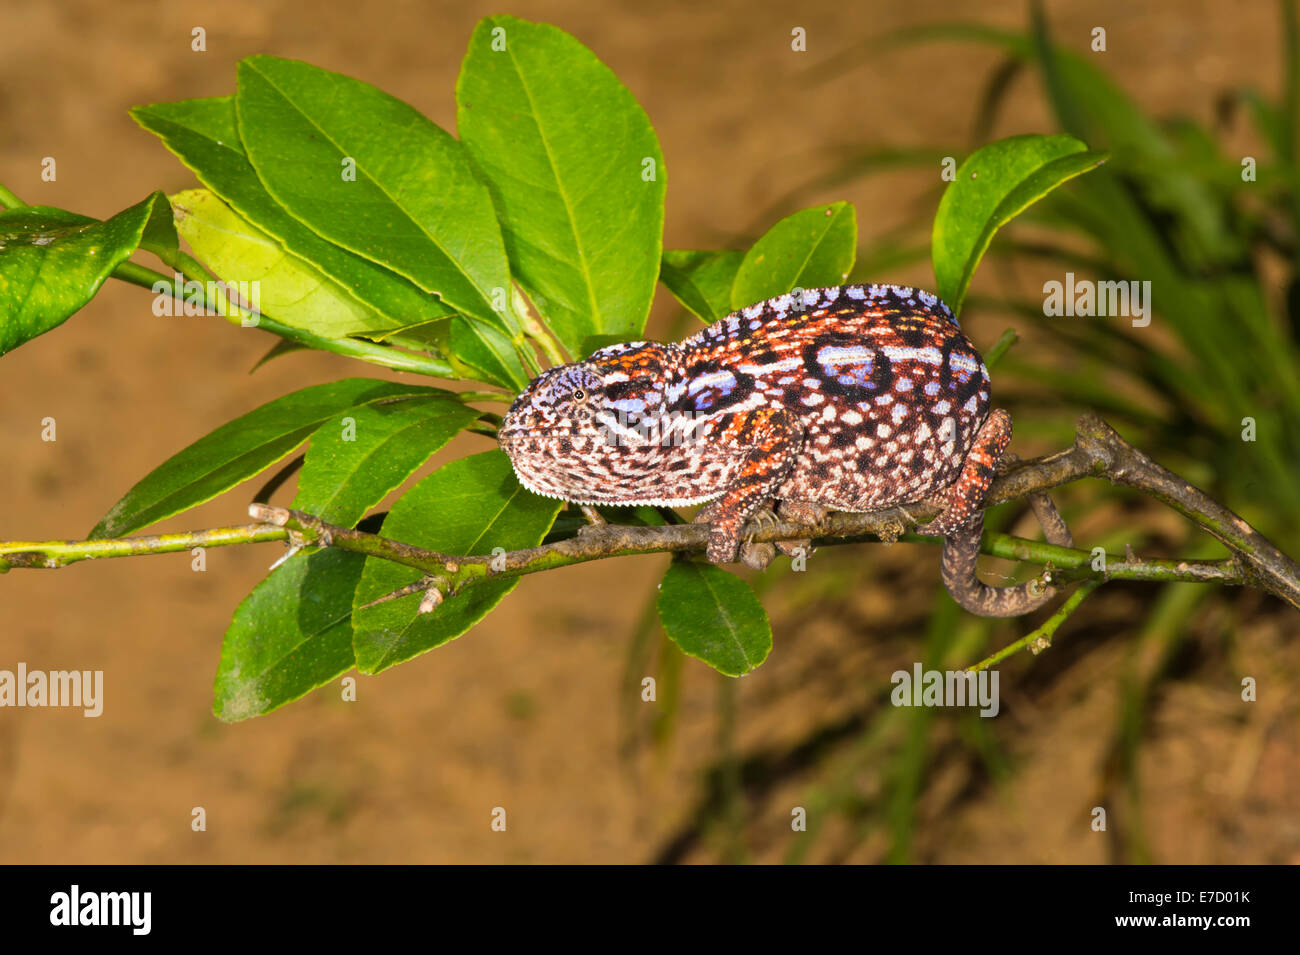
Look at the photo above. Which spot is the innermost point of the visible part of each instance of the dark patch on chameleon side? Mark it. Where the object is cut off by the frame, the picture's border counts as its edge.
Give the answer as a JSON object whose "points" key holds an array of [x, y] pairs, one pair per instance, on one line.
{"points": [[632, 388], [715, 398], [950, 381], [762, 355], [844, 439], [912, 333]]}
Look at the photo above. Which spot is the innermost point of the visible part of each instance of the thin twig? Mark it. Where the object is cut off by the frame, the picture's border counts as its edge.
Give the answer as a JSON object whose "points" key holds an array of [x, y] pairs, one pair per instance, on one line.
{"points": [[1041, 638]]}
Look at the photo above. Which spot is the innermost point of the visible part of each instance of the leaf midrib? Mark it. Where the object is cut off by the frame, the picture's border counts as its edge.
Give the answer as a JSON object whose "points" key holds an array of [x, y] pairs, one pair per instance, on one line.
{"points": [[731, 624], [378, 185], [596, 315]]}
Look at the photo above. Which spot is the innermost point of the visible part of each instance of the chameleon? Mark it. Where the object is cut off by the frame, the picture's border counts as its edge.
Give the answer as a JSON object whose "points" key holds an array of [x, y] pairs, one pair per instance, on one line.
{"points": [[849, 398]]}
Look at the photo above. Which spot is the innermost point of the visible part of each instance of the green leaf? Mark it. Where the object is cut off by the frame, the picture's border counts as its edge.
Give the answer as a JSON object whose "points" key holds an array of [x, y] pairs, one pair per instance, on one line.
{"points": [[417, 333], [994, 185], [479, 351], [204, 135], [468, 507], [240, 449], [810, 249], [576, 172], [53, 262], [267, 278], [282, 347], [594, 343], [292, 634], [713, 615], [702, 281], [355, 459], [414, 206]]}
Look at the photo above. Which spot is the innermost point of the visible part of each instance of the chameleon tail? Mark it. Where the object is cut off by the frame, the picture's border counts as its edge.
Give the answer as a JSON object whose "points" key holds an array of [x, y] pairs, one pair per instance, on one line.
{"points": [[961, 551]]}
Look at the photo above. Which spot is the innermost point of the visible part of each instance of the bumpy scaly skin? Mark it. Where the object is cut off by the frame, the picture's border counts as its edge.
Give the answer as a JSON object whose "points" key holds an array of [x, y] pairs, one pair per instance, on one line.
{"points": [[853, 398]]}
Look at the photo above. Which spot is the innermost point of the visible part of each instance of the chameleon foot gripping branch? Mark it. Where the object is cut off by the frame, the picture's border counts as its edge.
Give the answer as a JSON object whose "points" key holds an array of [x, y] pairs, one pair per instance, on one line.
{"points": [[853, 398]]}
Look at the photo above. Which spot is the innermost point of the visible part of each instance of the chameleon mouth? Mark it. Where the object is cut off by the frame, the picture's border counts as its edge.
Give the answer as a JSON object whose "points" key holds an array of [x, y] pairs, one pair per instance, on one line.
{"points": [[546, 442], [520, 435]]}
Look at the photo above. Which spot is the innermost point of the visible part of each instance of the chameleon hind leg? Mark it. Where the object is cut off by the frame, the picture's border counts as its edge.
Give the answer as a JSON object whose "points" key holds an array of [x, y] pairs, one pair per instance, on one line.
{"points": [[962, 525], [963, 500], [770, 439]]}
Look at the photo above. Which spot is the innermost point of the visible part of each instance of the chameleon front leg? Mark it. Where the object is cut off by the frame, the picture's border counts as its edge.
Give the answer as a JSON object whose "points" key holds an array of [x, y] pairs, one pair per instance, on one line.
{"points": [[770, 439], [962, 525]]}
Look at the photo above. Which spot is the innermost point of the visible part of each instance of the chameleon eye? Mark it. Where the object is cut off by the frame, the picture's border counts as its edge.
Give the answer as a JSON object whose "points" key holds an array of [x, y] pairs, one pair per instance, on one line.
{"points": [[579, 395]]}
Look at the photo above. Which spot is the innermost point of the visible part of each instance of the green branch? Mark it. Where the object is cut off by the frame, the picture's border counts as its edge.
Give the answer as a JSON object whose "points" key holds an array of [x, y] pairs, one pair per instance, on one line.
{"points": [[52, 554], [1041, 638]]}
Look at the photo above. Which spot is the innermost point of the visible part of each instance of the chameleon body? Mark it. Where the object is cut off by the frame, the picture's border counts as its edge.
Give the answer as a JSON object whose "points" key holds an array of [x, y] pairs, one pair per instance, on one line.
{"points": [[852, 398]]}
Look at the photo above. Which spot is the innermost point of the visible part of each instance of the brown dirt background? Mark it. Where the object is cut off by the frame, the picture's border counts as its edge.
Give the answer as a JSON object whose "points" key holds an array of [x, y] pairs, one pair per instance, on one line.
{"points": [[524, 711]]}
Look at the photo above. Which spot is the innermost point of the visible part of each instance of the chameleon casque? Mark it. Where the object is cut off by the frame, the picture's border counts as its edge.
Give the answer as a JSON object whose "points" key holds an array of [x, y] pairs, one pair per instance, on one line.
{"points": [[853, 398]]}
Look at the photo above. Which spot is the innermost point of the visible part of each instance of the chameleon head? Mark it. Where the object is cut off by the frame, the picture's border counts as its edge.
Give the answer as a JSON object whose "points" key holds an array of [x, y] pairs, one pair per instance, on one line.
{"points": [[570, 430]]}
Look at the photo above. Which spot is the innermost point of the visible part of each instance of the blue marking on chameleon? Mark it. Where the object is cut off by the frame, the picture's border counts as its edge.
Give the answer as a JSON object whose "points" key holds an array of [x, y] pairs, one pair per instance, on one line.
{"points": [[963, 365], [724, 380], [708, 388], [630, 405], [929, 354]]}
